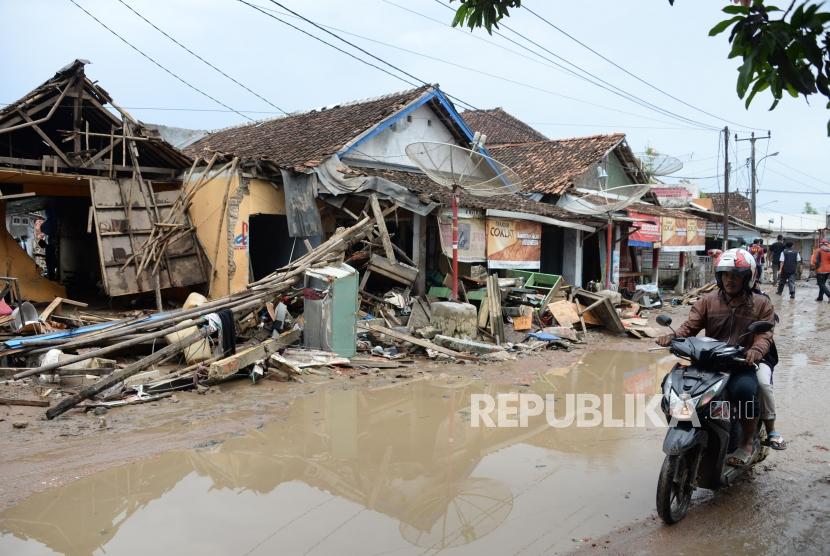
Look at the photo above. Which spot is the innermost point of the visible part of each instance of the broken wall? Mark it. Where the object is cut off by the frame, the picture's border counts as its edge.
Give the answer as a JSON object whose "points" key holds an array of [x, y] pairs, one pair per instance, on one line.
{"points": [[220, 212]]}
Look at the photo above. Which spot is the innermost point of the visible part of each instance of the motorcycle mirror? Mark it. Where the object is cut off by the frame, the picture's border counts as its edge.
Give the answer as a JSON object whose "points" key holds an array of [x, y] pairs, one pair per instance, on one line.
{"points": [[760, 326], [664, 320]]}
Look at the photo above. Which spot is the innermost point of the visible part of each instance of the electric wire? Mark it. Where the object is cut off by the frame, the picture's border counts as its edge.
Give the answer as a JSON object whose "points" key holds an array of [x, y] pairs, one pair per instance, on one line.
{"points": [[347, 53], [792, 168], [599, 82], [546, 63], [626, 71], [157, 64], [799, 182], [154, 26], [482, 72], [396, 68]]}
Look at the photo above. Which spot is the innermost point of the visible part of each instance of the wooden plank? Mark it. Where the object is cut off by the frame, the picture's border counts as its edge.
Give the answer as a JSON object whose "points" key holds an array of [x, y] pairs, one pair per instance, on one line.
{"points": [[399, 272], [484, 312], [416, 341], [384, 233], [16, 196], [496, 318], [565, 312], [588, 316], [38, 163], [49, 308], [46, 139], [224, 368], [604, 311], [32, 403], [419, 317], [134, 368]]}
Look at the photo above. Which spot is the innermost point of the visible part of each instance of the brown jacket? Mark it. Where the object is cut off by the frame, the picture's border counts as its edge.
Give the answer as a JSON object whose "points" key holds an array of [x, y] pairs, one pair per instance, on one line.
{"points": [[713, 314]]}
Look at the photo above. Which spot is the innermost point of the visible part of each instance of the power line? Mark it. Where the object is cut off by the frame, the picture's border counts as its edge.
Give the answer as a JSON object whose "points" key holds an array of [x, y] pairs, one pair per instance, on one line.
{"points": [[154, 26], [338, 37], [396, 68], [601, 83], [347, 53], [125, 41], [785, 176], [638, 78], [474, 70], [546, 63], [615, 126], [802, 173], [797, 192]]}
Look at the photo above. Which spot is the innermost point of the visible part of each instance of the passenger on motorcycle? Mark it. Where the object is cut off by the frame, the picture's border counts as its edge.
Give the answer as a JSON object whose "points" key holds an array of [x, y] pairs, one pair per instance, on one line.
{"points": [[725, 315]]}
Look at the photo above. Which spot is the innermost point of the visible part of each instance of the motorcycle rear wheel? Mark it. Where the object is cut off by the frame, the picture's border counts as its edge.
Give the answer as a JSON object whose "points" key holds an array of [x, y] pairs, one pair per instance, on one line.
{"points": [[674, 488]]}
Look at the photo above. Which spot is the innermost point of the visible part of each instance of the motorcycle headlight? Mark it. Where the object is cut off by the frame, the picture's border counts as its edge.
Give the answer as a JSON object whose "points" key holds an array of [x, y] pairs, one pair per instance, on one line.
{"points": [[681, 407], [707, 396]]}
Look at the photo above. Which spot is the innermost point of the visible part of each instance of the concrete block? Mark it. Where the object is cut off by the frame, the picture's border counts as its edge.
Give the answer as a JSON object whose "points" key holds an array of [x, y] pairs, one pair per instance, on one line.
{"points": [[459, 320], [468, 346]]}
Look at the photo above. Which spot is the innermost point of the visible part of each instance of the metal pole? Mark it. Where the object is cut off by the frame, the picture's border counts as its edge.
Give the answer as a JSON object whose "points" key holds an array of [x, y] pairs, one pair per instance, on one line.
{"points": [[609, 238], [752, 174], [455, 243], [726, 188]]}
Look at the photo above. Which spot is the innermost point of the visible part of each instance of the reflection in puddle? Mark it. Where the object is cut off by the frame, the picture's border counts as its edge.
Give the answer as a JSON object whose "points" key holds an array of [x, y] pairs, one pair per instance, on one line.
{"points": [[371, 471]]}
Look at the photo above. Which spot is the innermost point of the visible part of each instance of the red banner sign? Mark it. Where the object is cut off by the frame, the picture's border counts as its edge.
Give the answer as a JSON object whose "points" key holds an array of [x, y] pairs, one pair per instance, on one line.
{"points": [[649, 230]]}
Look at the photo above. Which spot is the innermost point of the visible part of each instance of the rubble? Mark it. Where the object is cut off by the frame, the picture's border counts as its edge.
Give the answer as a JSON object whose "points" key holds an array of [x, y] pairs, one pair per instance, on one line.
{"points": [[298, 323]]}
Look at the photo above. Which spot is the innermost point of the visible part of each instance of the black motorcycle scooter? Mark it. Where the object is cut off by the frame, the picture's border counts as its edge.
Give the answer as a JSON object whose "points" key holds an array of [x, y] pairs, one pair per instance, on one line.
{"points": [[703, 427]]}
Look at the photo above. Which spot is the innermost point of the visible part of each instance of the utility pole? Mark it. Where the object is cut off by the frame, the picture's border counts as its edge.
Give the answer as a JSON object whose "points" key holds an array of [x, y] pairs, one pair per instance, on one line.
{"points": [[753, 193], [726, 188]]}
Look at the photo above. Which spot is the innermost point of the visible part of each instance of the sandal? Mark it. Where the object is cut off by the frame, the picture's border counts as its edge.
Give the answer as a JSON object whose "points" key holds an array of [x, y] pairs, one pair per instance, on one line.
{"points": [[739, 458], [775, 441]]}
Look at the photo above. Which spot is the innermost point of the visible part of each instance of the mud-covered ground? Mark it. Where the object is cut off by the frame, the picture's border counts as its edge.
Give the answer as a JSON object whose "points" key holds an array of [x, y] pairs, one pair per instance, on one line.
{"points": [[51, 453], [782, 506]]}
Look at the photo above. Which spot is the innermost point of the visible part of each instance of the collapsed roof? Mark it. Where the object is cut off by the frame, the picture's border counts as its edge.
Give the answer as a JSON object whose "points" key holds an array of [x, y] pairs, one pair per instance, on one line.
{"points": [[72, 125]]}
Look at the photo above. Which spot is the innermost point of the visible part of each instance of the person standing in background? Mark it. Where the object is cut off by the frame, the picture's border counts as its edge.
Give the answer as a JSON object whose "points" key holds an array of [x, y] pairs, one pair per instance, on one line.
{"points": [[757, 251], [788, 268], [775, 251], [821, 262]]}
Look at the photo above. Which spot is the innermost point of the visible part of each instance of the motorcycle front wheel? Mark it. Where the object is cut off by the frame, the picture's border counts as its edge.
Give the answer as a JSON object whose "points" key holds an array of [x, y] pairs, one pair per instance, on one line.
{"points": [[674, 488]]}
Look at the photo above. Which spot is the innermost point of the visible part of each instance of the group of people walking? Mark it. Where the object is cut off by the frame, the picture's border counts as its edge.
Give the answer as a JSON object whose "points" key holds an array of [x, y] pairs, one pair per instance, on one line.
{"points": [[784, 261]]}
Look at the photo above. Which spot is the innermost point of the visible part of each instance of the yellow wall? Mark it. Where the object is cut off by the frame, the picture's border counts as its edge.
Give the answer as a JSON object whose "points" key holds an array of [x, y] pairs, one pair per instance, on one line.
{"points": [[14, 262], [206, 216]]}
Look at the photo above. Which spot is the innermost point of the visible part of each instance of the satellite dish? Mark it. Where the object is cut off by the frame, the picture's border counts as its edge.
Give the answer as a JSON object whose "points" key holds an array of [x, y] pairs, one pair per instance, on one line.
{"points": [[657, 164], [457, 514], [459, 169], [604, 201]]}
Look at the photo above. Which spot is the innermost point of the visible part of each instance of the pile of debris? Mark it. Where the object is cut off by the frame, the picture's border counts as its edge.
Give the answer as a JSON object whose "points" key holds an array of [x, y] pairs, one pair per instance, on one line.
{"points": [[241, 333], [693, 295], [88, 360]]}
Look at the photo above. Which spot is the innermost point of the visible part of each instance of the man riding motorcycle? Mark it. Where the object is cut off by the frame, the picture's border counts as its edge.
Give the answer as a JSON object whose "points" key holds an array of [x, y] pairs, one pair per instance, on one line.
{"points": [[725, 314]]}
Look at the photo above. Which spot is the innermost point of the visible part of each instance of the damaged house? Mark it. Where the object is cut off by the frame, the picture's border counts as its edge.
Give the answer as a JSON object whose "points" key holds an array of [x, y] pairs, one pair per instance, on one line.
{"points": [[98, 185], [291, 181]]}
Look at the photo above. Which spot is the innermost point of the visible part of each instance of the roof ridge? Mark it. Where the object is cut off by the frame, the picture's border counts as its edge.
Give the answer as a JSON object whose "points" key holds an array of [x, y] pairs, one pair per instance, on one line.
{"points": [[324, 108], [565, 140]]}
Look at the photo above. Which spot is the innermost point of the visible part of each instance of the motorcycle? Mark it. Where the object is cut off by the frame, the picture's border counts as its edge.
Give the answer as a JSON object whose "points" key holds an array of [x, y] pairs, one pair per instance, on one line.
{"points": [[703, 427]]}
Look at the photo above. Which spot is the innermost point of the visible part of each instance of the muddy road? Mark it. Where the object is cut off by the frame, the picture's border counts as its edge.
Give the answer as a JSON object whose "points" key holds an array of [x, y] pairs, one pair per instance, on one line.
{"points": [[386, 465]]}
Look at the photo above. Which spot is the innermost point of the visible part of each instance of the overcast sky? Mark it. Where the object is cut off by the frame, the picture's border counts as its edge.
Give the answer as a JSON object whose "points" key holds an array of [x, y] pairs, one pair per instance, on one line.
{"points": [[666, 46]]}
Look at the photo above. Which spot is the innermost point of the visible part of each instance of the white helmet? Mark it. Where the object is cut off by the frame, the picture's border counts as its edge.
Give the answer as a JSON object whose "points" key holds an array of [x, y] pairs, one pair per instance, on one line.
{"points": [[736, 260]]}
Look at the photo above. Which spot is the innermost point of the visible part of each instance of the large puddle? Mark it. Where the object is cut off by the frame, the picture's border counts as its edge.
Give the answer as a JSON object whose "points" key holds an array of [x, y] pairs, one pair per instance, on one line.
{"points": [[397, 470]]}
